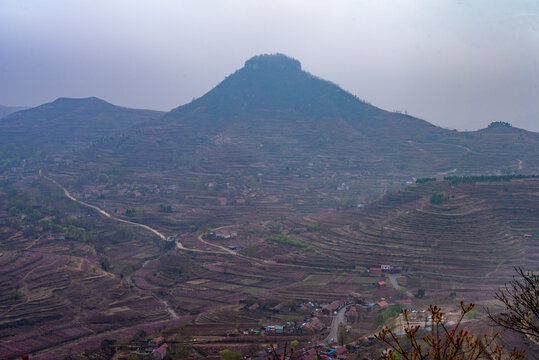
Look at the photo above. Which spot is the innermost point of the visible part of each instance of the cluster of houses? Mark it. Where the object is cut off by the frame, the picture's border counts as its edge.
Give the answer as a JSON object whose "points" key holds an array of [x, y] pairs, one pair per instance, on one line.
{"points": [[314, 324], [224, 234], [124, 189], [154, 349]]}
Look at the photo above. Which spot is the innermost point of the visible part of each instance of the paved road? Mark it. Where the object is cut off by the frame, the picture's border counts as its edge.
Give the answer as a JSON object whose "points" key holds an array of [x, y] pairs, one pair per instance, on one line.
{"points": [[337, 319]]}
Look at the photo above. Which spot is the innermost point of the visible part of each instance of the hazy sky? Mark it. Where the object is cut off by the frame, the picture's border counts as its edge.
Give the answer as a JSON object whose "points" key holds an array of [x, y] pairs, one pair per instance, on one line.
{"points": [[458, 64]]}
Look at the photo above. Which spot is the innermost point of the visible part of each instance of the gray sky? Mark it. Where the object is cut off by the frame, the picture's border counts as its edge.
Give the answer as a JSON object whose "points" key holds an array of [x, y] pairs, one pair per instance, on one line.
{"points": [[457, 64]]}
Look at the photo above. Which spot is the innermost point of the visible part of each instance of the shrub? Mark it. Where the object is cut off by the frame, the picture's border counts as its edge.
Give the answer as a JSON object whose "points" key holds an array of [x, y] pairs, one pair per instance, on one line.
{"points": [[228, 354], [437, 198], [284, 239]]}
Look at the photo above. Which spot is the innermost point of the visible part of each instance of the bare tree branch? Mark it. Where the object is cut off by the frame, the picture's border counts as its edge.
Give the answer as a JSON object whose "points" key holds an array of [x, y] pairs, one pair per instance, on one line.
{"points": [[521, 300]]}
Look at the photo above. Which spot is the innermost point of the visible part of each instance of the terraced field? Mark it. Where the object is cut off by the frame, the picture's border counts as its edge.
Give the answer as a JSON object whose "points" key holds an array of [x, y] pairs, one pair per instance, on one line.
{"points": [[56, 291], [475, 237], [275, 152]]}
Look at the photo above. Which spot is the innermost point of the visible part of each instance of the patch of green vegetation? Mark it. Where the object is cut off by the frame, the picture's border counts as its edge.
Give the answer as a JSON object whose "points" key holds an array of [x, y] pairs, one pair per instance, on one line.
{"points": [[228, 354], [473, 314], [388, 313], [455, 180], [498, 124], [437, 198], [287, 240]]}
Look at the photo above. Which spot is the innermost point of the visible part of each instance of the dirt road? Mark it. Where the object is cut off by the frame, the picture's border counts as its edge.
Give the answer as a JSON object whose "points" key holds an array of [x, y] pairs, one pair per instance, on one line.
{"points": [[101, 211]]}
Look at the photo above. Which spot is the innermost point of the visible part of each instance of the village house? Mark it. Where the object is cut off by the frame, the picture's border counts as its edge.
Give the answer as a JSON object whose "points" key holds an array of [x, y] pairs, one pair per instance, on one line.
{"points": [[313, 325], [160, 352], [385, 267], [225, 234], [274, 330], [352, 315], [334, 306]]}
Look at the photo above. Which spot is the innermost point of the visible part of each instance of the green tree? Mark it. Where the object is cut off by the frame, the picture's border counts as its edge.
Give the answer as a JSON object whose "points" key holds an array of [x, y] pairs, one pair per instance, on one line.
{"points": [[228, 354], [437, 198], [341, 334], [420, 293]]}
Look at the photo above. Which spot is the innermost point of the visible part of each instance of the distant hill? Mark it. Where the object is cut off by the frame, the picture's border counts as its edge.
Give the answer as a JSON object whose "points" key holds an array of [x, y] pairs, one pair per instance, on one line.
{"points": [[6, 110], [273, 116], [65, 124]]}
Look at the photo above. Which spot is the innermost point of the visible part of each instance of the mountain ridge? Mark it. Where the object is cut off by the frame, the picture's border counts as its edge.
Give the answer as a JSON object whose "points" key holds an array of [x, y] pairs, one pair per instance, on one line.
{"points": [[277, 81], [65, 124], [7, 110]]}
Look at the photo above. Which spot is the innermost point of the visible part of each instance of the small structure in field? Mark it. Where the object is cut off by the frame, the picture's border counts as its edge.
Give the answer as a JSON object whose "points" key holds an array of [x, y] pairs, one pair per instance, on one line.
{"points": [[385, 267], [225, 234], [160, 352]]}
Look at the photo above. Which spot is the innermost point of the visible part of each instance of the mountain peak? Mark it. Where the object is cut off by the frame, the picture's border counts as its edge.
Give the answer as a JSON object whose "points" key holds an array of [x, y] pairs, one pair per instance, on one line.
{"points": [[87, 100], [276, 82], [273, 62]]}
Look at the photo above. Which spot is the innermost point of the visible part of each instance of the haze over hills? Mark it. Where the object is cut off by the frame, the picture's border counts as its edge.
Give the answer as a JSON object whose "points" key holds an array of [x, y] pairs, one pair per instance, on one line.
{"points": [[270, 151], [293, 133], [272, 104], [64, 124]]}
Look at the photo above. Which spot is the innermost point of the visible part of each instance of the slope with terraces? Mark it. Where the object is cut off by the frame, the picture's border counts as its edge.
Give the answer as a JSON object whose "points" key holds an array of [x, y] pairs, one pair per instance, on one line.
{"points": [[479, 232], [293, 139]]}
